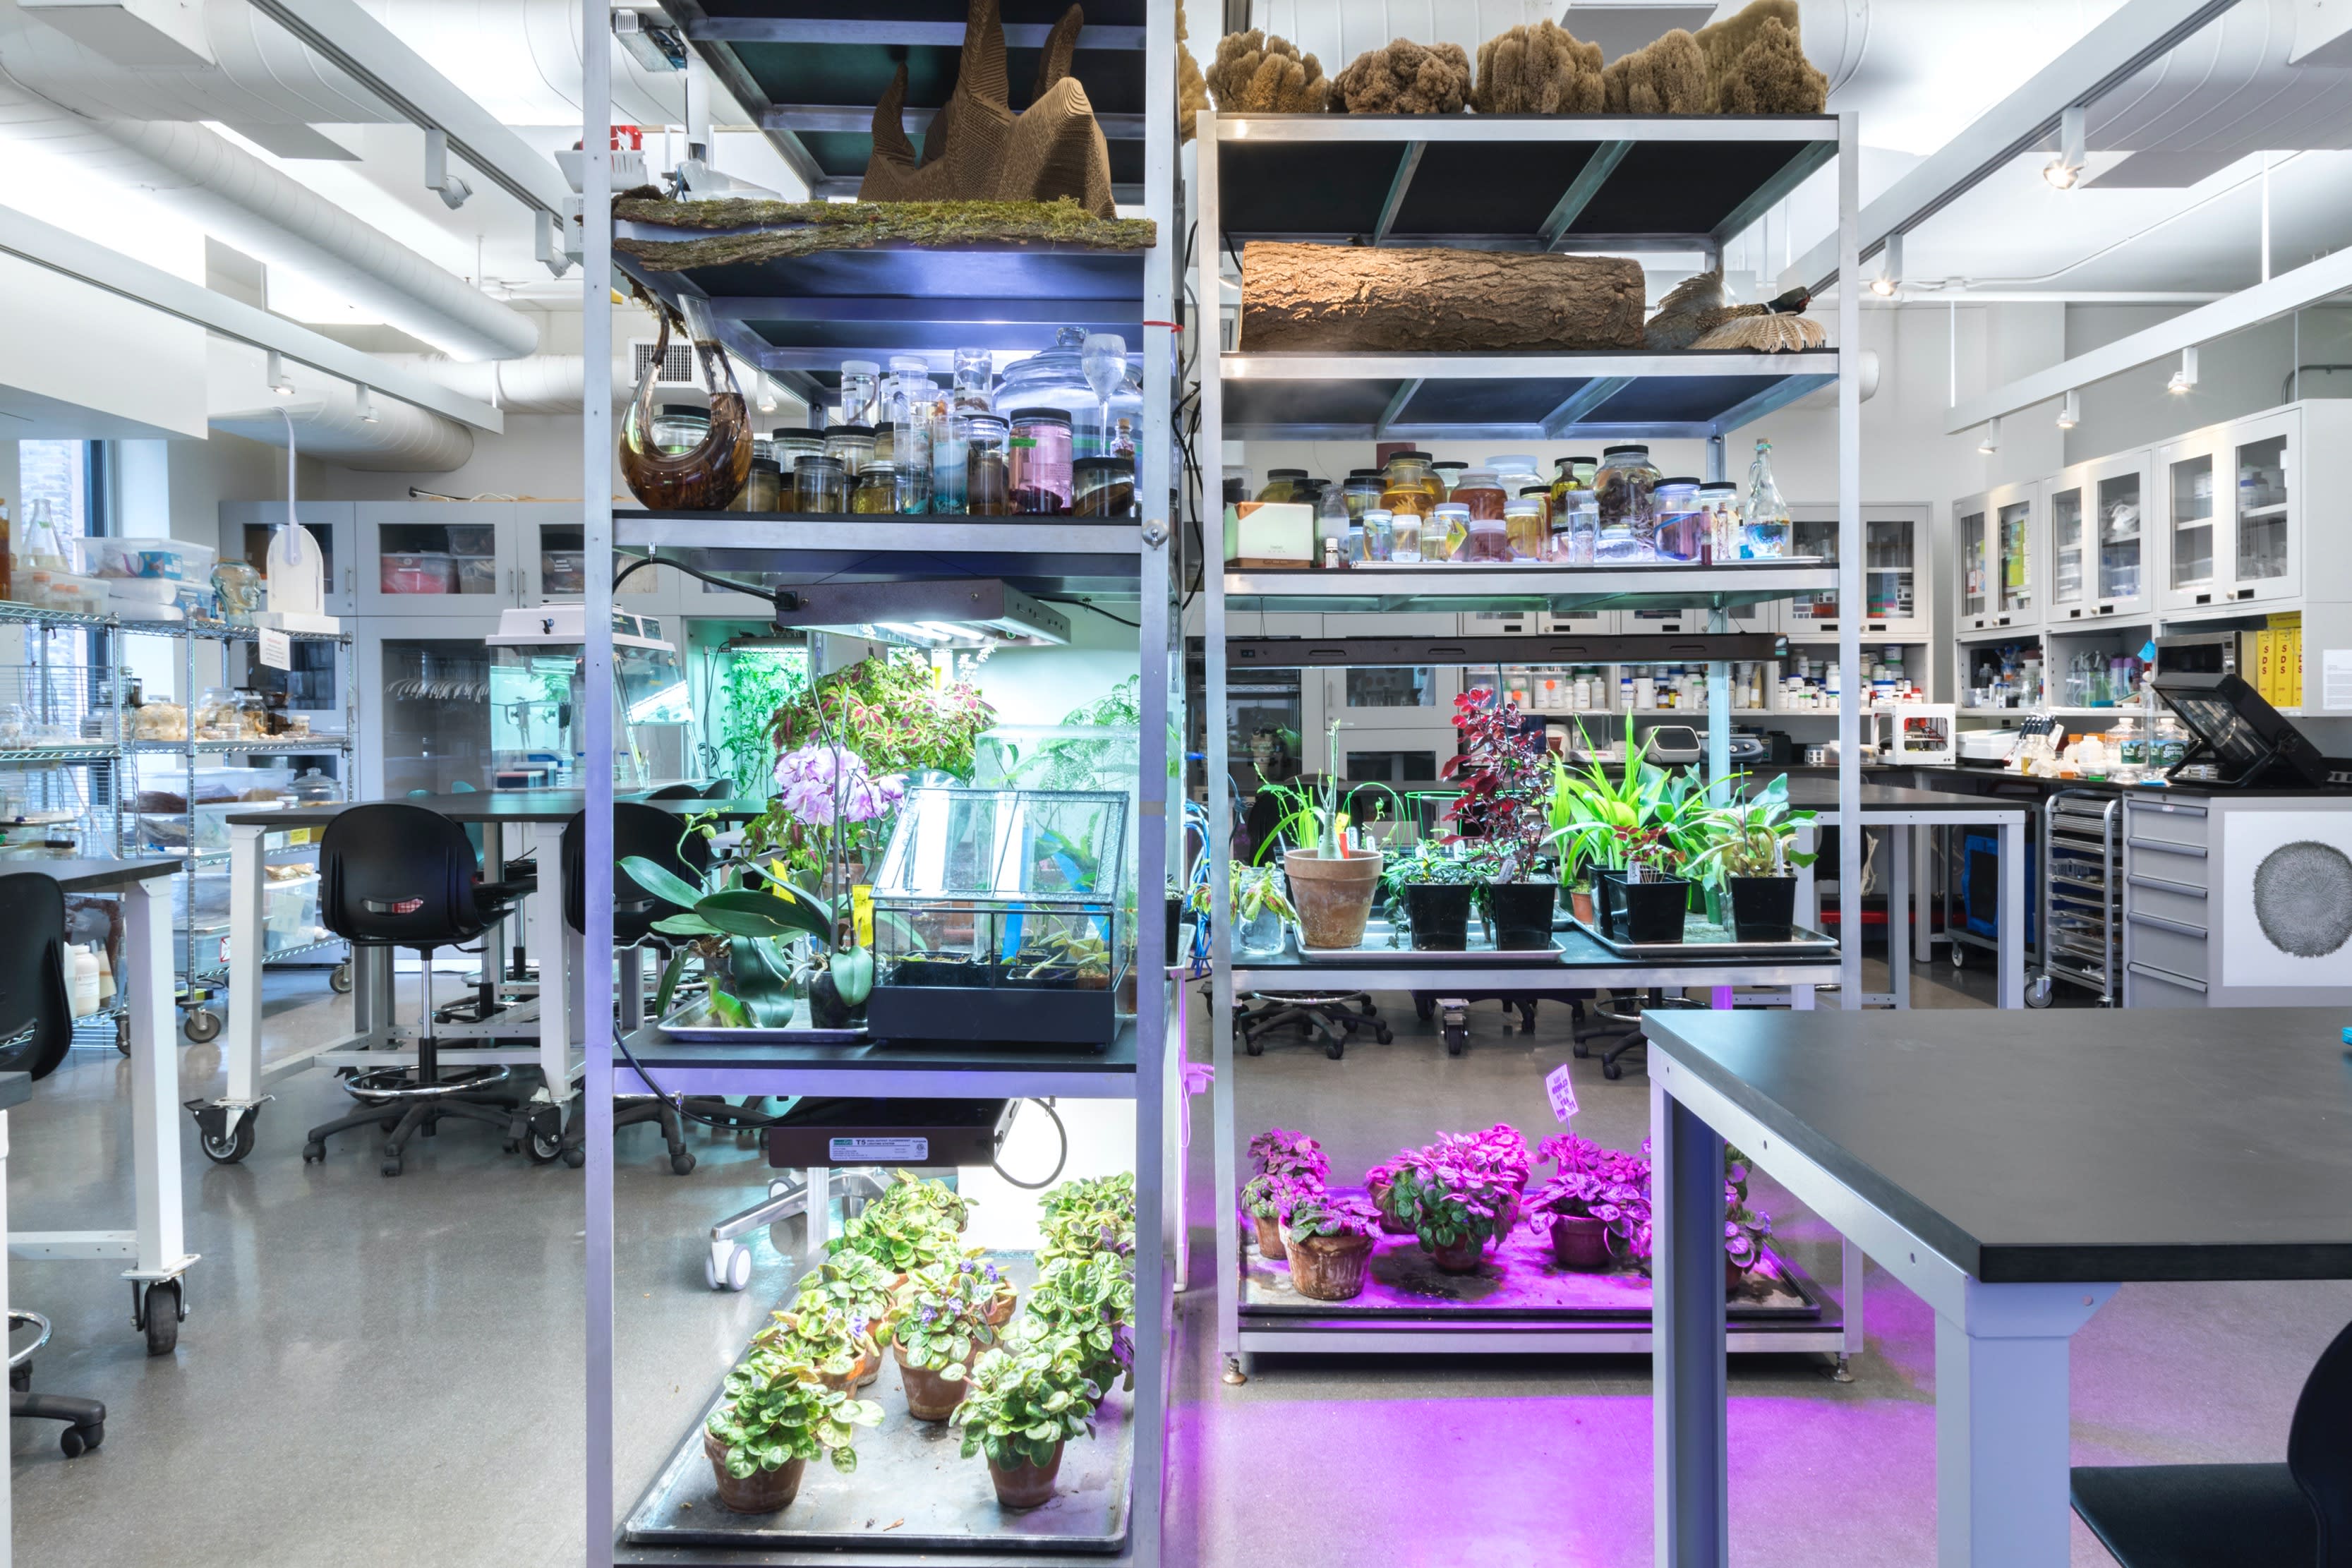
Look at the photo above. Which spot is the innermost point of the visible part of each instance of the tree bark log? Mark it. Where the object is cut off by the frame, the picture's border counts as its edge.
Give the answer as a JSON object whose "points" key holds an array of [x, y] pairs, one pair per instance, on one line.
{"points": [[1333, 298]]}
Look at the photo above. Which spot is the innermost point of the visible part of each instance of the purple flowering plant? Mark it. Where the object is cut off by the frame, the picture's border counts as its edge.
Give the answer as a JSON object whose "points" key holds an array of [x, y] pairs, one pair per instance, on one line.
{"points": [[1279, 1152], [945, 1321]]}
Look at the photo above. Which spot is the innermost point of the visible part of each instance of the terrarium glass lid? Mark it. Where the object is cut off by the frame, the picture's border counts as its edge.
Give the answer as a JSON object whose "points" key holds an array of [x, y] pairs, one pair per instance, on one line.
{"points": [[1059, 846]]}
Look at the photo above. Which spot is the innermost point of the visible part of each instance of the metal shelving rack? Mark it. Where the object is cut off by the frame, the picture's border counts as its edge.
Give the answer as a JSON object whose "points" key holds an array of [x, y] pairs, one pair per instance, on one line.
{"points": [[796, 320], [1529, 184]]}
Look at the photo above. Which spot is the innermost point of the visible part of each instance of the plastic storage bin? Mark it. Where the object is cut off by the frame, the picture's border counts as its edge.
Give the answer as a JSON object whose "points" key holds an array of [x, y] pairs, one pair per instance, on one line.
{"points": [[563, 571], [175, 559], [476, 574], [419, 571]]}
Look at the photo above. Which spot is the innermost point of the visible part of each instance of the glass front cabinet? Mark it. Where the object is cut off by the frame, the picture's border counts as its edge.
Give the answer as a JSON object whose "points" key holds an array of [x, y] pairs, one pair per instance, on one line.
{"points": [[1896, 595], [2233, 514], [2101, 562], [1997, 535]]}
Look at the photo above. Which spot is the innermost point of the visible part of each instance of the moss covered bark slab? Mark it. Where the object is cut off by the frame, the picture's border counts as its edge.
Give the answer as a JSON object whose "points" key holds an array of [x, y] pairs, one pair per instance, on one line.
{"points": [[766, 231]]}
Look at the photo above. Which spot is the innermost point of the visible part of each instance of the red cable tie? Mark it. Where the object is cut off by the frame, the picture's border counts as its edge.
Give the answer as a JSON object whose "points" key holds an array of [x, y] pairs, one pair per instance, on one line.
{"points": [[1171, 326]]}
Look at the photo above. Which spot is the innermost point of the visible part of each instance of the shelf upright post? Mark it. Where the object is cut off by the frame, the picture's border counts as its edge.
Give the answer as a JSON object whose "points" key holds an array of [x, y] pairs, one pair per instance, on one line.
{"points": [[596, 942], [1849, 564], [1214, 722], [1718, 672]]}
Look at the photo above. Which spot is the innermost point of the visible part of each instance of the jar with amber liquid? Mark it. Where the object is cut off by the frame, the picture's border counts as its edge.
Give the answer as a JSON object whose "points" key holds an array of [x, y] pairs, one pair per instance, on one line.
{"points": [[1524, 527], [1482, 492], [988, 487], [876, 489], [1407, 486]]}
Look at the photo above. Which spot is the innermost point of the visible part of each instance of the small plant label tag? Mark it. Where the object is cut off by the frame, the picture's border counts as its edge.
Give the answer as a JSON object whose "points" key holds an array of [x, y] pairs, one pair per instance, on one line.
{"points": [[1562, 1093], [879, 1150], [861, 912]]}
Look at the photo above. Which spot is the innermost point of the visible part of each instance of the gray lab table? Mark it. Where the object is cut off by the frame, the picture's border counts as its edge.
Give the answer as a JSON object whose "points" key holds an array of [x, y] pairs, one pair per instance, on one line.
{"points": [[540, 813], [2012, 1178], [156, 1250]]}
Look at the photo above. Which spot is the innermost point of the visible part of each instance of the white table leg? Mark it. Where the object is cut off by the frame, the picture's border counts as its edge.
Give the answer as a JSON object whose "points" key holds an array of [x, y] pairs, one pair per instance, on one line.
{"points": [[1689, 1399], [1809, 908], [155, 1076], [246, 941], [551, 940], [2002, 1441], [1898, 914], [2013, 912], [7, 1512], [1851, 1264]]}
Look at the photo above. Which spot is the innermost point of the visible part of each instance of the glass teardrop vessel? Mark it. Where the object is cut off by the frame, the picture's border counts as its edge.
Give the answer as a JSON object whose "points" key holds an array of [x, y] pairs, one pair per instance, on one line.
{"points": [[707, 476]]}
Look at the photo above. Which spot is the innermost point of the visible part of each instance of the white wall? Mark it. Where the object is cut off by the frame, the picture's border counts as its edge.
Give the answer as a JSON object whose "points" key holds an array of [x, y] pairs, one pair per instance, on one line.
{"points": [[2237, 375]]}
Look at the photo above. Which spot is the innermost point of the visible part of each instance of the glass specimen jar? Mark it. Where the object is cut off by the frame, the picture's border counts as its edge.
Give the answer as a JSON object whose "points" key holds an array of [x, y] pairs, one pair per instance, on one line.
{"points": [[1626, 485], [1447, 533], [1236, 484], [1038, 461], [1103, 487], [860, 383], [1541, 496], [876, 489], [1379, 538], [1405, 536], [1571, 474], [987, 487], [763, 491], [1575, 527], [851, 445], [1720, 498], [1362, 491], [680, 427], [1448, 474], [791, 445], [1523, 527], [1682, 522], [820, 484], [1482, 492], [1407, 486], [1489, 540], [1516, 470], [1283, 484], [912, 401]]}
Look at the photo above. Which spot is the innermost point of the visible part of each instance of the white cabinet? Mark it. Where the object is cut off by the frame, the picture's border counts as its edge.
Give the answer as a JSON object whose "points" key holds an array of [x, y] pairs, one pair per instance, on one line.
{"points": [[246, 527], [1997, 536], [437, 558], [2104, 554], [2234, 512], [1897, 595]]}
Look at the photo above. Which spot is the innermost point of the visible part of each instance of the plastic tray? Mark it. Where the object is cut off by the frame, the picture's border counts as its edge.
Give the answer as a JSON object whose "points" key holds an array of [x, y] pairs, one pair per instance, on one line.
{"points": [[1382, 948], [1713, 941]]}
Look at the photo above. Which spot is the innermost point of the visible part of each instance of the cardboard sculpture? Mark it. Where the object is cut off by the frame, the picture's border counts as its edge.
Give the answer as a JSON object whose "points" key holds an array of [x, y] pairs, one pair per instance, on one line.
{"points": [[978, 149], [1337, 297]]}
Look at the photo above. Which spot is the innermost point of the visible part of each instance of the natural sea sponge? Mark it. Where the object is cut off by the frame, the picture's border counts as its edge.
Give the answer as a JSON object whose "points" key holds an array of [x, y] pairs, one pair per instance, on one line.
{"points": [[1257, 72], [1406, 77], [1541, 70], [1667, 77], [1191, 90], [1772, 76]]}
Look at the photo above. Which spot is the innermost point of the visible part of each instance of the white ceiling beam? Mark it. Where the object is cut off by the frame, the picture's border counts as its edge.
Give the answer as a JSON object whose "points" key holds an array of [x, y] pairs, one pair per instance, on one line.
{"points": [[2288, 292], [71, 256], [2139, 33]]}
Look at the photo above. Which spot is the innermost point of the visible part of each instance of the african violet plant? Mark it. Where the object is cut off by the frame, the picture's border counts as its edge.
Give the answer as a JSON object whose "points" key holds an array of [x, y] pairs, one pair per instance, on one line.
{"points": [[945, 1322], [934, 1201], [854, 1284], [825, 1337], [1025, 1400], [1087, 1217], [901, 1240], [1092, 1301], [776, 1412]]}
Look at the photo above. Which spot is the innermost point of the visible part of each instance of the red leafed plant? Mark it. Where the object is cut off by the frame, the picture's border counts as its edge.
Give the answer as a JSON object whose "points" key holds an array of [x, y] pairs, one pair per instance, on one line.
{"points": [[1505, 770]]}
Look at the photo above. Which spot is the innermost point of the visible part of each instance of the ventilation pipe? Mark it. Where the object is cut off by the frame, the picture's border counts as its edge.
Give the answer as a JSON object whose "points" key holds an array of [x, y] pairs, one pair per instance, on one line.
{"points": [[333, 426], [543, 384]]}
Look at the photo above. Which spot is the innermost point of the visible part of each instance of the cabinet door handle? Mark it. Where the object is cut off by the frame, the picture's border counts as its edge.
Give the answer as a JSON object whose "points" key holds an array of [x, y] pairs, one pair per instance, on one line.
{"points": [[2161, 923]]}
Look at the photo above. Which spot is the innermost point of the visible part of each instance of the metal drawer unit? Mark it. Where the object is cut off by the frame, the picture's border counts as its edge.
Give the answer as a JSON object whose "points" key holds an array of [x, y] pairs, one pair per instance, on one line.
{"points": [[2082, 895], [2165, 896]]}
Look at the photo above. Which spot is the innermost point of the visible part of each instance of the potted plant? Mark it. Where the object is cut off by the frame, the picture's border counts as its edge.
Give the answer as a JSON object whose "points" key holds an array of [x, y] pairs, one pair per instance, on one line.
{"points": [[899, 1239], [1269, 1200], [1504, 765], [856, 1285], [1579, 1238], [1331, 885], [1024, 1402], [1261, 905], [1636, 830], [1377, 1181], [1744, 1230], [837, 1345], [1330, 1245], [944, 1328], [1499, 1152], [775, 1418], [1091, 1301], [1279, 1152], [1434, 887], [908, 1194], [735, 925], [1454, 1211], [1747, 847]]}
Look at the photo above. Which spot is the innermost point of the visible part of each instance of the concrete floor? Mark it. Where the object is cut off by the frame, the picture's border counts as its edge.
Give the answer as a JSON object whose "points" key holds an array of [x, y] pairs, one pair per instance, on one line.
{"points": [[383, 1372]]}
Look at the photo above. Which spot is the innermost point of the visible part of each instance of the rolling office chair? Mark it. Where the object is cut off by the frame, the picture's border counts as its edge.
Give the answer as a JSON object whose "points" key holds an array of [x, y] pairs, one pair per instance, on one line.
{"points": [[394, 875], [36, 1031], [641, 830], [2295, 1515]]}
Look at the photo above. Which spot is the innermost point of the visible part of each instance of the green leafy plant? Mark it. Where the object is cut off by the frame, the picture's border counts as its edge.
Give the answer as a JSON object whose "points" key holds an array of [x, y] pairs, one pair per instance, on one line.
{"points": [[855, 1285], [1447, 1204], [1751, 835], [1645, 817], [1327, 1216], [756, 682], [1425, 863], [1088, 1218], [1315, 818], [1026, 1400], [1274, 1194], [819, 1333], [1256, 890], [1092, 1301], [901, 1241], [945, 1319], [775, 1412], [922, 1199], [743, 913]]}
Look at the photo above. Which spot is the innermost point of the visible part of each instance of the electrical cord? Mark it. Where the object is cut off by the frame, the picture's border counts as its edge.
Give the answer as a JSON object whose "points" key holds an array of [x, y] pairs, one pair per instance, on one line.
{"points": [[1098, 609], [1060, 1160]]}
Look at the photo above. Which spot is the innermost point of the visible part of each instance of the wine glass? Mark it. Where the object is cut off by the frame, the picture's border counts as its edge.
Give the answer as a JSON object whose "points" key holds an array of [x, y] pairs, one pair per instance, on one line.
{"points": [[1104, 360]]}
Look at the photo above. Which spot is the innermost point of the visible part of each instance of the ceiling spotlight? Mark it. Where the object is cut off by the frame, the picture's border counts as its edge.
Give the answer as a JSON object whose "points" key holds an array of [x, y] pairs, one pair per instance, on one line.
{"points": [[1991, 442], [452, 190], [366, 401], [1890, 268], [2070, 411], [280, 382], [2186, 376], [767, 395], [2065, 171]]}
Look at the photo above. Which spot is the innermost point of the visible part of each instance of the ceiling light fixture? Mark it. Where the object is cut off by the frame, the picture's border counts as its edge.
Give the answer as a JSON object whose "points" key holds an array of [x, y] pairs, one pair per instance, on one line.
{"points": [[1991, 442], [1890, 268], [2184, 377], [2070, 411], [767, 393], [280, 382], [366, 401], [2065, 171], [453, 191]]}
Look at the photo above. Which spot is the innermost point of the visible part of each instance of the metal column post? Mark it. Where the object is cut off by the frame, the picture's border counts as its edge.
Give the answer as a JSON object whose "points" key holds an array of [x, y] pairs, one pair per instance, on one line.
{"points": [[2002, 1442], [1687, 1376], [1849, 570]]}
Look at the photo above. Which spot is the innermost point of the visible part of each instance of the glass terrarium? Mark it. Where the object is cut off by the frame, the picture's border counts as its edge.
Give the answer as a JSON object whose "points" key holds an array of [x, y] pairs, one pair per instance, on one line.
{"points": [[538, 688], [999, 916]]}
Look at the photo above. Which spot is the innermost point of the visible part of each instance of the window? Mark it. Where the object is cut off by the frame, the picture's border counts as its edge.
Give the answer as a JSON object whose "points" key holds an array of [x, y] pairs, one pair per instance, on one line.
{"points": [[61, 479]]}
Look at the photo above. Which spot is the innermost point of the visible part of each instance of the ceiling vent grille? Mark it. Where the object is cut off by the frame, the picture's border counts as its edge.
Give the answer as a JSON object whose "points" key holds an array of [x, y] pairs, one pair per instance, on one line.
{"points": [[677, 368]]}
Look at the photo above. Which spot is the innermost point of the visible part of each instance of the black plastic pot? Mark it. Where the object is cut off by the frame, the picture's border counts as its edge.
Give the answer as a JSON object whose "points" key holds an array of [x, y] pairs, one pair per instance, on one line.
{"points": [[1439, 913], [1645, 912], [1763, 908], [1522, 914]]}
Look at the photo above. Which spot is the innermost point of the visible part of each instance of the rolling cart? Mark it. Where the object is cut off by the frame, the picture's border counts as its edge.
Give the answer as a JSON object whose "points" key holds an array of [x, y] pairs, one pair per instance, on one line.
{"points": [[2082, 895]]}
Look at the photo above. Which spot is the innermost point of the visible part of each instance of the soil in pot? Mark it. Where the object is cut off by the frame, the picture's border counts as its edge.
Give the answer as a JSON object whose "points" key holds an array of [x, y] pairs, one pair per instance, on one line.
{"points": [[1522, 912], [762, 1491], [1269, 1236], [1026, 1486], [1331, 1267], [939, 972], [1333, 897], [1646, 912], [1763, 908], [1040, 972], [1439, 914], [929, 1396], [1459, 1256], [1580, 1242]]}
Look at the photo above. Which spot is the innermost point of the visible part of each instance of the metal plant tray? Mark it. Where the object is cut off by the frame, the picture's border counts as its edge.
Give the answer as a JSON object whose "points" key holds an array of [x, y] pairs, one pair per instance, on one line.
{"points": [[1703, 941], [696, 1022], [1385, 947]]}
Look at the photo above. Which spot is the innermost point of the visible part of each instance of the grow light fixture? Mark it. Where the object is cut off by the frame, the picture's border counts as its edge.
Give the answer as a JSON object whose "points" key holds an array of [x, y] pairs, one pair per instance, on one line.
{"points": [[1890, 268], [965, 612], [2186, 376], [2070, 411], [1991, 442], [2065, 171]]}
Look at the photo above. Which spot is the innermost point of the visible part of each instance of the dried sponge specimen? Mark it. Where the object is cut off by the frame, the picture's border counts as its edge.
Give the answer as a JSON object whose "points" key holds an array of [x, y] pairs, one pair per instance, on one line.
{"points": [[1406, 77], [1256, 71], [1771, 76], [1541, 70], [1668, 77], [1192, 89]]}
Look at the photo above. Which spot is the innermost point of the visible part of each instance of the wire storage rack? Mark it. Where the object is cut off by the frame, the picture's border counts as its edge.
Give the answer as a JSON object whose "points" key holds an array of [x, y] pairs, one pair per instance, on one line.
{"points": [[2082, 894]]}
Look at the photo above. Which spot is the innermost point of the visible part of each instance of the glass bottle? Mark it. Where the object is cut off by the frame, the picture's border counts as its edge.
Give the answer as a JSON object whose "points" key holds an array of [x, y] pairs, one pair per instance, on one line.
{"points": [[1236, 484], [1405, 536], [1407, 486], [706, 475], [876, 491], [974, 374], [1038, 460], [1541, 496], [680, 427], [763, 491], [1523, 525], [1482, 492], [1764, 520], [1379, 538], [1282, 484], [1447, 532], [912, 398], [1103, 487], [1682, 525], [988, 490], [1515, 469], [860, 382], [1448, 474], [1720, 498], [1362, 491], [851, 445], [791, 445], [1488, 541], [1625, 485], [820, 484], [1575, 527]]}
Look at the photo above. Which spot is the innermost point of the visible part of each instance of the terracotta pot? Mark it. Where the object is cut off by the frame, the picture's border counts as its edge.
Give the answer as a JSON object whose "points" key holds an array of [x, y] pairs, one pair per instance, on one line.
{"points": [[1026, 1486], [929, 1396], [1334, 897], [763, 1491], [1580, 1242], [1734, 1276], [1462, 1256], [1331, 1267], [1000, 1311], [1269, 1236], [868, 1368], [1579, 904]]}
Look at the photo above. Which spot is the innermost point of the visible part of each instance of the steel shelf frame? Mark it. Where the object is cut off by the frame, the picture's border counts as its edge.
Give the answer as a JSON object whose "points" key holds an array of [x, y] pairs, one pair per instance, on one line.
{"points": [[1128, 559], [1599, 379]]}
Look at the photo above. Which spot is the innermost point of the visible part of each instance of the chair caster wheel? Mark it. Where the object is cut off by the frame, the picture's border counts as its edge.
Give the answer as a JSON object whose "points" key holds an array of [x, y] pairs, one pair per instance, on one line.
{"points": [[339, 979], [1256, 1048], [1580, 1053], [1612, 1071], [76, 1441], [1423, 1009], [314, 1154], [577, 1156], [20, 1377], [681, 1162], [389, 1167], [544, 1140], [1383, 1036], [733, 1273], [1335, 1050]]}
